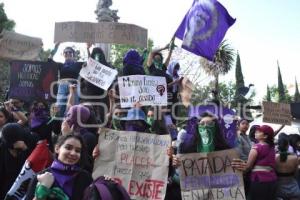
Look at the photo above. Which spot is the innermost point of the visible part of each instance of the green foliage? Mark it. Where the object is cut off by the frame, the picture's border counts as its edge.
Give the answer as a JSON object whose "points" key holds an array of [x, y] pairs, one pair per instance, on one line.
{"points": [[297, 94], [281, 90], [4, 79], [239, 78], [119, 50], [274, 94], [202, 94], [44, 55], [268, 97], [222, 64], [5, 23]]}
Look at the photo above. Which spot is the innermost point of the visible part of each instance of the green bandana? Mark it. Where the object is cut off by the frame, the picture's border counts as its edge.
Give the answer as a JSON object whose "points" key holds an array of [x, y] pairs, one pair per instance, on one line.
{"points": [[116, 122], [158, 65], [150, 120], [207, 133]]}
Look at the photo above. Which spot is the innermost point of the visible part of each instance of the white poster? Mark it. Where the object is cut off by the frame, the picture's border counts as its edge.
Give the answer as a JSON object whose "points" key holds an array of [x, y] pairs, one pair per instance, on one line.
{"points": [[98, 74], [136, 160], [147, 90]]}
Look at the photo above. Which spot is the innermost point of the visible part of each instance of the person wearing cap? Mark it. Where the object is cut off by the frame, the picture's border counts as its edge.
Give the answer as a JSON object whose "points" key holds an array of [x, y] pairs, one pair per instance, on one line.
{"points": [[135, 121], [68, 75], [261, 163], [16, 145]]}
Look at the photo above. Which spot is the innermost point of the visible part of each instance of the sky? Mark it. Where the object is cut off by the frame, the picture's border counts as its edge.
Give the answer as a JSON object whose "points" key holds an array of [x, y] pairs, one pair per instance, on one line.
{"points": [[265, 30]]}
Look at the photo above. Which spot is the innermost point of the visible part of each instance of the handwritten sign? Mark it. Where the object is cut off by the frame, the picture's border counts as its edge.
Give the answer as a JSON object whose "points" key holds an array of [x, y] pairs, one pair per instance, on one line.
{"points": [[210, 176], [277, 113], [17, 46], [31, 80], [136, 160], [98, 74], [104, 32], [147, 90]]}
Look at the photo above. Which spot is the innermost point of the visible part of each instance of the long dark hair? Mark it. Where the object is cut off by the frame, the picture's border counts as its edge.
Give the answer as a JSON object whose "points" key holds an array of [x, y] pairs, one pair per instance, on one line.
{"points": [[293, 140], [252, 133], [219, 140], [270, 139], [6, 114], [83, 153], [283, 144]]}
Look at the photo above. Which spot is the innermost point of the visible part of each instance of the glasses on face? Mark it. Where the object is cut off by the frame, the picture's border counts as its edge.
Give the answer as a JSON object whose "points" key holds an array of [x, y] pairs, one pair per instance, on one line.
{"points": [[207, 123]]}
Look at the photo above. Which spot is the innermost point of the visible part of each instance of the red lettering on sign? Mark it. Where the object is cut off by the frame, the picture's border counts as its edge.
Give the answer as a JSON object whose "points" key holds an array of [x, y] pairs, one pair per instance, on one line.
{"points": [[149, 189]]}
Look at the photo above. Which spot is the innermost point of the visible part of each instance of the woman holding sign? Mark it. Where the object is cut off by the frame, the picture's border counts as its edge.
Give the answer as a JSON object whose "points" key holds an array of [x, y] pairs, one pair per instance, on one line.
{"points": [[207, 138], [90, 92]]}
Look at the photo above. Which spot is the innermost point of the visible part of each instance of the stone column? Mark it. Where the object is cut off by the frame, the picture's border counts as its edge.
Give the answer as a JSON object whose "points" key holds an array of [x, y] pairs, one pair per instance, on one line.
{"points": [[105, 14]]}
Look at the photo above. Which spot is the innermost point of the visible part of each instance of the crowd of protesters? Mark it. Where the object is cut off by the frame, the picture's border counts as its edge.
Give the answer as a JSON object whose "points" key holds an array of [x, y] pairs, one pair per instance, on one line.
{"points": [[270, 171]]}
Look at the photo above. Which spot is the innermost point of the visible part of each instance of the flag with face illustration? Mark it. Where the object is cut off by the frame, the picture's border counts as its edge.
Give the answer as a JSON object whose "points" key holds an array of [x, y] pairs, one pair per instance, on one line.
{"points": [[204, 27], [39, 159]]}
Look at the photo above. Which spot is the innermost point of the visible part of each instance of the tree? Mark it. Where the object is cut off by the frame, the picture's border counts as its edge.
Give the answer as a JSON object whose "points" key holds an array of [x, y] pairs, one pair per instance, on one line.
{"points": [[118, 51], [297, 94], [281, 90], [222, 64], [7, 24], [268, 97], [239, 81]]}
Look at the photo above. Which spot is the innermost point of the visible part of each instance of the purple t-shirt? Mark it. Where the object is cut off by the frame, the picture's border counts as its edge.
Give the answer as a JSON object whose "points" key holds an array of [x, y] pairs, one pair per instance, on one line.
{"points": [[265, 157]]}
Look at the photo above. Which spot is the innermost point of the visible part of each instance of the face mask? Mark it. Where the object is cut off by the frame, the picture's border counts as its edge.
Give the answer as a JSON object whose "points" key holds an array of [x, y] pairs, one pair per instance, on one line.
{"points": [[158, 64], [97, 57], [207, 134], [150, 120], [116, 124]]}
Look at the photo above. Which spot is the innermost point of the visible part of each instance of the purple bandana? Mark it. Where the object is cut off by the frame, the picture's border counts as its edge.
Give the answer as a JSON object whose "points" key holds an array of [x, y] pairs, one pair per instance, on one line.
{"points": [[64, 175]]}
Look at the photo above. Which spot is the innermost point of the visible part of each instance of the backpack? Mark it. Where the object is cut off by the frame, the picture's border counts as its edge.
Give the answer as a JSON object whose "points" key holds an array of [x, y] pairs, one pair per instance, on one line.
{"points": [[101, 189]]}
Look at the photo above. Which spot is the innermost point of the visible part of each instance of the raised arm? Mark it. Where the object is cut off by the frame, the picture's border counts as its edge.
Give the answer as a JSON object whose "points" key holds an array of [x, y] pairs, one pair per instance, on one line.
{"points": [[53, 52], [153, 52], [171, 47]]}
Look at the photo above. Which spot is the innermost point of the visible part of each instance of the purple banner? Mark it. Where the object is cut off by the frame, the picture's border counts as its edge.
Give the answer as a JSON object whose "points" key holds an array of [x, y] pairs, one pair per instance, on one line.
{"points": [[204, 27], [31, 80]]}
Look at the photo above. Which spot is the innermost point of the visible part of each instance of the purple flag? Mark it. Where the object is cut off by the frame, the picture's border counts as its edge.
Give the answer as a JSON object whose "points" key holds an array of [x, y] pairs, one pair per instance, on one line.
{"points": [[204, 27]]}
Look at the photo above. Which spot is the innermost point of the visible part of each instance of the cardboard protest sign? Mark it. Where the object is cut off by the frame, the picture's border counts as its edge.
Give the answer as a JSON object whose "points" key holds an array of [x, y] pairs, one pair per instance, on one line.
{"points": [[101, 32], [186, 91], [31, 80], [210, 176], [136, 160], [147, 90], [98, 74], [17, 46], [277, 113]]}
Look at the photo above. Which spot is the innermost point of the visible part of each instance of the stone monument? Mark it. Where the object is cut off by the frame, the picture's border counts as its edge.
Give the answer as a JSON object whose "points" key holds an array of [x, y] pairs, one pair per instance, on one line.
{"points": [[105, 14]]}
